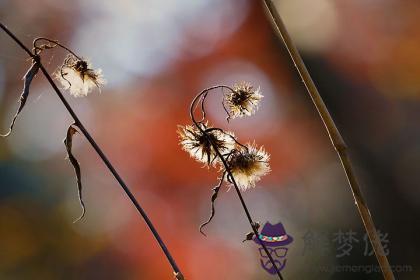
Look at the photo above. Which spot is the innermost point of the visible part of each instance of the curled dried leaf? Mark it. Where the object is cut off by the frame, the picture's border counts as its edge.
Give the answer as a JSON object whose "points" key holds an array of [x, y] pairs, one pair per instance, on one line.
{"points": [[256, 225], [213, 199], [249, 236], [68, 142], [29, 76]]}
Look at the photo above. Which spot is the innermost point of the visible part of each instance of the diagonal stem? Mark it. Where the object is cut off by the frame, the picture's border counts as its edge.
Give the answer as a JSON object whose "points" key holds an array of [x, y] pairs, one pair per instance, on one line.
{"points": [[245, 207], [98, 150], [335, 137]]}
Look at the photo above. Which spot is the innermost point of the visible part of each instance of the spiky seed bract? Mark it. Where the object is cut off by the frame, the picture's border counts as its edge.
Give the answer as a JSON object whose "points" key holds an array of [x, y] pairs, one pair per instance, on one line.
{"points": [[248, 165], [199, 144], [78, 76], [243, 100]]}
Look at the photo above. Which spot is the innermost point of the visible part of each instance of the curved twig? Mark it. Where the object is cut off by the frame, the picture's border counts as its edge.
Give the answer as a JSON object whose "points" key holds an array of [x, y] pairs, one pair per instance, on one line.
{"points": [[37, 49]]}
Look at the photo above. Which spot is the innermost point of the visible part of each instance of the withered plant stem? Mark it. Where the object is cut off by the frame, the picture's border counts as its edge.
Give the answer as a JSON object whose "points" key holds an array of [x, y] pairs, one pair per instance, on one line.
{"points": [[229, 173], [99, 151], [335, 137]]}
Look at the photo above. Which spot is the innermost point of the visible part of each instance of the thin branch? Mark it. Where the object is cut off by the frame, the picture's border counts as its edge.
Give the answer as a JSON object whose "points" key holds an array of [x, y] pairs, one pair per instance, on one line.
{"points": [[98, 150], [335, 137]]}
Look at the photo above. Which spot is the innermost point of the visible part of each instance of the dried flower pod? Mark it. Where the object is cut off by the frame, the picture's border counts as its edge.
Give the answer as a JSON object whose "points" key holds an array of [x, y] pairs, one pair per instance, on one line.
{"points": [[248, 165], [242, 101], [78, 76], [199, 145]]}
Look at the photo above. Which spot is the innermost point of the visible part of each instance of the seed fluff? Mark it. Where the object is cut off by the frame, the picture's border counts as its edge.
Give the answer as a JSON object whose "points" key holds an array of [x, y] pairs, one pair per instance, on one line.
{"points": [[248, 166], [243, 100], [78, 76], [200, 147]]}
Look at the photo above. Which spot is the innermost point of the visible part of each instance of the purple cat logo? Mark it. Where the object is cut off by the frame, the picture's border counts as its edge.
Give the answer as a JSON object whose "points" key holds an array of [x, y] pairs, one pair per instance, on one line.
{"points": [[275, 239]]}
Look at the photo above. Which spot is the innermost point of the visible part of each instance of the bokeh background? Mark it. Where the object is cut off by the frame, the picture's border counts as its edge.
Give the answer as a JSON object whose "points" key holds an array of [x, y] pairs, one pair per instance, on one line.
{"points": [[156, 55]]}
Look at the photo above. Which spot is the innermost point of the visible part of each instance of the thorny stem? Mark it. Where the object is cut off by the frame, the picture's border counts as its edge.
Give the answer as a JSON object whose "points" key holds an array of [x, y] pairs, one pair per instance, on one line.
{"points": [[335, 137], [229, 173], [98, 150]]}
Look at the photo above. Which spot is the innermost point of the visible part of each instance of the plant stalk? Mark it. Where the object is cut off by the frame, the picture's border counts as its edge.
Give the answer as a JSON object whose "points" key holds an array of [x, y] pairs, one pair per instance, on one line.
{"points": [[101, 154], [229, 175], [335, 137]]}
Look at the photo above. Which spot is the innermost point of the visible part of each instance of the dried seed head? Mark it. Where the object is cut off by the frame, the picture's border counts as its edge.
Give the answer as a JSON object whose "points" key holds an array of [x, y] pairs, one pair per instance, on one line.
{"points": [[78, 76], [248, 166], [200, 147], [243, 100]]}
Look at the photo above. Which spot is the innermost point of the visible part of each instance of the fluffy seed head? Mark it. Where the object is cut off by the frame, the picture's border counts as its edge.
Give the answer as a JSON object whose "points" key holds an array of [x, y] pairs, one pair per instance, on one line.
{"points": [[78, 76], [199, 146], [243, 100], [248, 166]]}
